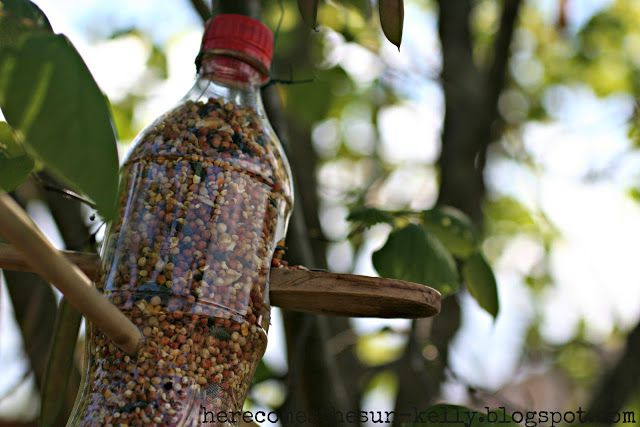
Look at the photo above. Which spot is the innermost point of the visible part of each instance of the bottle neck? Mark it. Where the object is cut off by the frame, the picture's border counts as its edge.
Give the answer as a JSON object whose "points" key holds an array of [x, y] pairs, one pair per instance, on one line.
{"points": [[231, 79], [232, 72]]}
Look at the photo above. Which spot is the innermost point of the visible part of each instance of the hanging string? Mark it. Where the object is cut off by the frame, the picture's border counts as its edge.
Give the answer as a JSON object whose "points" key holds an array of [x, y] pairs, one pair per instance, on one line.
{"points": [[276, 34], [289, 81]]}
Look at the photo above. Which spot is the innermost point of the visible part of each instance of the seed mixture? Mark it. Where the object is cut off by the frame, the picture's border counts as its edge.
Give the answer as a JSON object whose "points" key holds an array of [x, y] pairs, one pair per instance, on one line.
{"points": [[207, 194]]}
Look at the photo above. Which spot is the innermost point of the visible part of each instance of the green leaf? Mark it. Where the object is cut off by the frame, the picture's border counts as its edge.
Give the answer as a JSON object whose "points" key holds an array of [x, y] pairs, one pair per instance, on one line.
{"points": [[368, 217], [49, 96], [481, 283], [460, 416], [158, 62], [507, 215], [123, 113], [26, 10], [9, 146], [18, 19], [634, 193], [12, 31], [454, 229], [413, 255], [13, 171], [392, 19], [15, 164], [309, 12], [373, 349], [263, 373], [634, 132], [363, 7], [326, 83]]}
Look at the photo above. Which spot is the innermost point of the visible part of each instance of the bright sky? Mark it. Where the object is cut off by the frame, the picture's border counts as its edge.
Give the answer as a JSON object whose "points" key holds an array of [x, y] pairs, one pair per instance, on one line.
{"points": [[595, 275]]}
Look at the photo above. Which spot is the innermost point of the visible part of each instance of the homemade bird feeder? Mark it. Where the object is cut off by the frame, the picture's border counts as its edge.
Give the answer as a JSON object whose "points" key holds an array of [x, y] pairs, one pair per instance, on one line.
{"points": [[186, 272]]}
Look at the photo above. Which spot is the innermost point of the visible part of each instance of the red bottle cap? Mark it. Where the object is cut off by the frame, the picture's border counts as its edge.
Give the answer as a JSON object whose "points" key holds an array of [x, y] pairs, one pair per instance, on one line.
{"points": [[242, 37]]}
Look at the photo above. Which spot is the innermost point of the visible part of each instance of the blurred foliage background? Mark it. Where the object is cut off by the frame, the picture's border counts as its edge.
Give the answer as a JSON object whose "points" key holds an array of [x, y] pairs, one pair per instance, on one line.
{"points": [[520, 114]]}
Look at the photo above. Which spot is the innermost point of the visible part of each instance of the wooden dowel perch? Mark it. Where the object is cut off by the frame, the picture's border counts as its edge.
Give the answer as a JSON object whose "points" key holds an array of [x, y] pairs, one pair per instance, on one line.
{"points": [[39, 254], [303, 290], [291, 289]]}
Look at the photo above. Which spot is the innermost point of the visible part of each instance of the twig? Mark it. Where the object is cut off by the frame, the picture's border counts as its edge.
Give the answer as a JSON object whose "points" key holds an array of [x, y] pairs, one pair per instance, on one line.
{"points": [[497, 72], [65, 192], [289, 81], [203, 10], [286, 82], [17, 228]]}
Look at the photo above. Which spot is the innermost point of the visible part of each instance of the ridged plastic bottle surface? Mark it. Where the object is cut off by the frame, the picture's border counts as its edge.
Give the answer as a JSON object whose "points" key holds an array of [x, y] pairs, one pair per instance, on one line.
{"points": [[205, 198]]}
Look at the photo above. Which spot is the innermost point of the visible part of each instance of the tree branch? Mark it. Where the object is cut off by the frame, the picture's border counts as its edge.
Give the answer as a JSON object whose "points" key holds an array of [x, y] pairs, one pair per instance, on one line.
{"points": [[497, 72], [317, 378], [461, 183], [242, 7], [619, 383], [460, 186], [202, 9], [471, 98]]}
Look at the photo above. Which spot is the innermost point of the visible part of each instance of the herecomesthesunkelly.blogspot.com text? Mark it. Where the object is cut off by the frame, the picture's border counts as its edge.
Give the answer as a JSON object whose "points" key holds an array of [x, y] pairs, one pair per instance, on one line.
{"points": [[452, 415]]}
